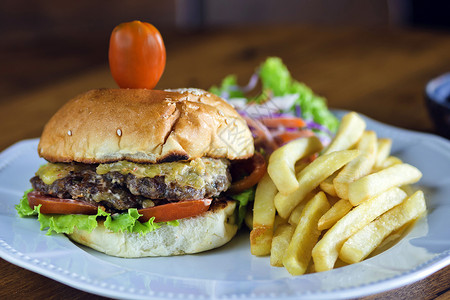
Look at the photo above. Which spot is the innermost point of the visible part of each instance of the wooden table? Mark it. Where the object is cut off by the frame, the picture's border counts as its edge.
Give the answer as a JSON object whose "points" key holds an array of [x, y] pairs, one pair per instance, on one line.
{"points": [[380, 73]]}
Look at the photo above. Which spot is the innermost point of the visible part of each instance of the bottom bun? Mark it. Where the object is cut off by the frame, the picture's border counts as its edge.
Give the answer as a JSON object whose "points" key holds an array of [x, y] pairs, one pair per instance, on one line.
{"points": [[208, 231]]}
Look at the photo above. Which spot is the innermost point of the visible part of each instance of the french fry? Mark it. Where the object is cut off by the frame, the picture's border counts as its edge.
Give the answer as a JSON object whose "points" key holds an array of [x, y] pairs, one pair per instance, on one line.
{"points": [[281, 167], [362, 243], [300, 165], [366, 208], [326, 251], [368, 143], [327, 185], [388, 162], [280, 242], [384, 146], [391, 239], [354, 170], [297, 211], [263, 217], [350, 130], [310, 177], [359, 167], [298, 254], [278, 222], [334, 214], [375, 183], [332, 200], [408, 189], [311, 268]]}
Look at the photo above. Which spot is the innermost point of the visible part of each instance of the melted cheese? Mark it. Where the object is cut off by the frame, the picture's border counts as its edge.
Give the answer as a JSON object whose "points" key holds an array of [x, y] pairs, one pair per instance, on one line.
{"points": [[50, 172], [193, 173], [186, 173]]}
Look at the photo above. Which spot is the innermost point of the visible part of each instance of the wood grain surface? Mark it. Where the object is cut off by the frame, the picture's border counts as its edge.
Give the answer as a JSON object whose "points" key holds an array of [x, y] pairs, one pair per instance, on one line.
{"points": [[380, 73]]}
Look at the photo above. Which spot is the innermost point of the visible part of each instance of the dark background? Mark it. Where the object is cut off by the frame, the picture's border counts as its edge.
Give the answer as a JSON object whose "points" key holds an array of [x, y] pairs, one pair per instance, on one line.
{"points": [[63, 38]]}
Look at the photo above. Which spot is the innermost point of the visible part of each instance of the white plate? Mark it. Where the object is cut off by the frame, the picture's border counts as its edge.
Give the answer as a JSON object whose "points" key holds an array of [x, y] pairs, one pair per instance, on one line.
{"points": [[231, 271]]}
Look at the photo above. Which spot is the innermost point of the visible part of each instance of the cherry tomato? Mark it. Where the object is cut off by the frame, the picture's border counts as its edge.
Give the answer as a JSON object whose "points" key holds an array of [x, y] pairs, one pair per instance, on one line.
{"points": [[51, 205], [175, 210], [137, 55], [258, 167]]}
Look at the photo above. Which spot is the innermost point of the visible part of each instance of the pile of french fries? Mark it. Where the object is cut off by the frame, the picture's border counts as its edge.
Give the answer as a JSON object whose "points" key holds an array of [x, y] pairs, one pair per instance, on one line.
{"points": [[311, 215]]}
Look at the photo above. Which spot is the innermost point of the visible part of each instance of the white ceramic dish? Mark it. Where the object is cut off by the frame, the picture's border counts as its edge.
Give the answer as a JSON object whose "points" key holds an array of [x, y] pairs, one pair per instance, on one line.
{"points": [[231, 271]]}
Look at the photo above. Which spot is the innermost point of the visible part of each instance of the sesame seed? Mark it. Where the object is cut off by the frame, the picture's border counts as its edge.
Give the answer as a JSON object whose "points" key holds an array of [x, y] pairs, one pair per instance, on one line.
{"points": [[69, 132], [119, 132]]}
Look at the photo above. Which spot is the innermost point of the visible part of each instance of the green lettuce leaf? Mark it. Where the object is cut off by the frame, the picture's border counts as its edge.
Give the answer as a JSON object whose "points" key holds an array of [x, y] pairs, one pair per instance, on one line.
{"points": [[227, 87], [23, 208], [122, 222], [243, 199], [67, 223], [275, 76]]}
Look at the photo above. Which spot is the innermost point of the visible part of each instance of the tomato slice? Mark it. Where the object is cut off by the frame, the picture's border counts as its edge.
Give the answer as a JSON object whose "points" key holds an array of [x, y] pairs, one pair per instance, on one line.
{"points": [[175, 210], [259, 167], [162, 213], [137, 55], [52, 205]]}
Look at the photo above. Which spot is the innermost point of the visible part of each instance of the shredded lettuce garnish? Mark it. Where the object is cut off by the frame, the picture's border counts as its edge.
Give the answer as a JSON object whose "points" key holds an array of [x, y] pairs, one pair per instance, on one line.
{"points": [[67, 223]]}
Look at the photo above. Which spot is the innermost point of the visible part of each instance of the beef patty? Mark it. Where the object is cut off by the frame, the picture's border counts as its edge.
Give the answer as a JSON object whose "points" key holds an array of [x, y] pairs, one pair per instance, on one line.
{"points": [[117, 191]]}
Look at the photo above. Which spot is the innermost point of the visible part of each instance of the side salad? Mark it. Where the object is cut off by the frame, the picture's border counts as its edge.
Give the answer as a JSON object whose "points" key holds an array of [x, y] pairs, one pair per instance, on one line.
{"points": [[282, 110]]}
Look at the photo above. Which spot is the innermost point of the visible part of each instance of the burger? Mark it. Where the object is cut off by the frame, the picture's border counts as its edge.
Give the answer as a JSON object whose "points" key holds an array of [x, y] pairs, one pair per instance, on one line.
{"points": [[138, 172]]}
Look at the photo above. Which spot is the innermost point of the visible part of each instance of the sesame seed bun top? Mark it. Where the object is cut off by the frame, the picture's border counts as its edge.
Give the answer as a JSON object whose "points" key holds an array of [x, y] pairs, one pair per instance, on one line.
{"points": [[149, 126]]}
